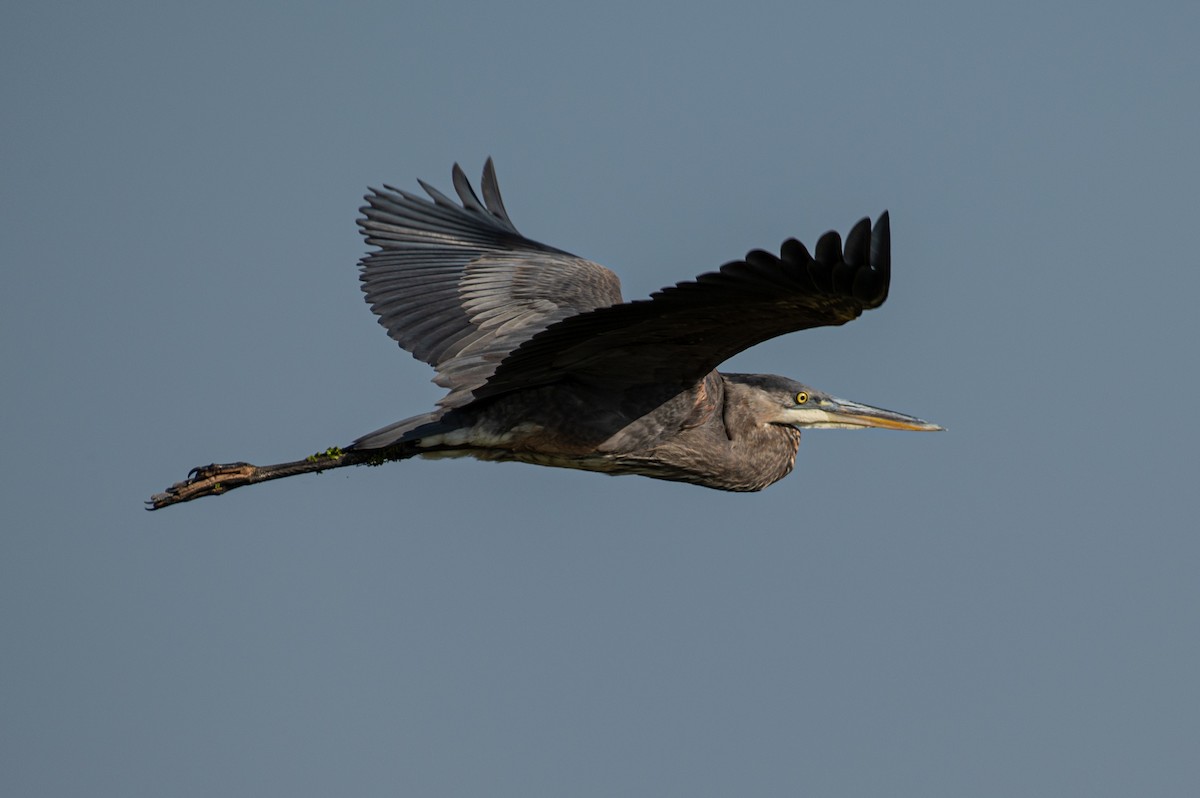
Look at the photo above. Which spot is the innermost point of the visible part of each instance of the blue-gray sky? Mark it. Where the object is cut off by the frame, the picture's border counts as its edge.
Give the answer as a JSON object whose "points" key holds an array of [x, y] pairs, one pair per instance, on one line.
{"points": [[1008, 608]]}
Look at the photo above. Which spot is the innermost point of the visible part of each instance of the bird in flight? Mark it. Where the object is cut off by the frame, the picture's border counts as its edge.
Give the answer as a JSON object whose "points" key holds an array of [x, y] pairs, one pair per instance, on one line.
{"points": [[544, 362]]}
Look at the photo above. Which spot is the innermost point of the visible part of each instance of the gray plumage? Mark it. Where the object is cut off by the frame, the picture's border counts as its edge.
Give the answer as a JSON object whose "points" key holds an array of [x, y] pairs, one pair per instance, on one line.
{"points": [[544, 362]]}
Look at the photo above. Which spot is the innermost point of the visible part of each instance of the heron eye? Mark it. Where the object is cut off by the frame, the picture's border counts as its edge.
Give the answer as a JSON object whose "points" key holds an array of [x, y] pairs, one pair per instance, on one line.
{"points": [[801, 397]]}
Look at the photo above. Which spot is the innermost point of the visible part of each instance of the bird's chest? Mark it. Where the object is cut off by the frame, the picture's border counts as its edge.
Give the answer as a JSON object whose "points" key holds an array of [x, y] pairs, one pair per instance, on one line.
{"points": [[708, 456]]}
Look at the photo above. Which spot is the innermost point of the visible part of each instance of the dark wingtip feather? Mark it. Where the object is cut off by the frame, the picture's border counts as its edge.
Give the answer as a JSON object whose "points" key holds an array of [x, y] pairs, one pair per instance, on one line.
{"points": [[829, 249], [858, 244], [871, 284], [795, 253], [438, 197], [881, 244], [491, 194], [465, 193]]}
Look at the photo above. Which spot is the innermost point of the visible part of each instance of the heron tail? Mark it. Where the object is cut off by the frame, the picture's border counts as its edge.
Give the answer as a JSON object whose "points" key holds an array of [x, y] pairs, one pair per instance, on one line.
{"points": [[402, 432]]}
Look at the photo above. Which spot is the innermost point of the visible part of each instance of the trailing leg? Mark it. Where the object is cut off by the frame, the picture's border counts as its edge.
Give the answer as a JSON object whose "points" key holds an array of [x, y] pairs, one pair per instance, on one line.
{"points": [[215, 479]]}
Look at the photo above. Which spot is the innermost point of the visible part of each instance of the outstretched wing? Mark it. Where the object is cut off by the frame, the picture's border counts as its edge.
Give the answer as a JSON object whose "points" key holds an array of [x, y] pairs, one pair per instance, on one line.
{"points": [[460, 288], [684, 331]]}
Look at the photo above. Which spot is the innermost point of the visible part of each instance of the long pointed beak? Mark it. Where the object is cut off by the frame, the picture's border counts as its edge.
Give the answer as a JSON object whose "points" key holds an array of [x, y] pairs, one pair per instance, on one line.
{"points": [[867, 416], [842, 414]]}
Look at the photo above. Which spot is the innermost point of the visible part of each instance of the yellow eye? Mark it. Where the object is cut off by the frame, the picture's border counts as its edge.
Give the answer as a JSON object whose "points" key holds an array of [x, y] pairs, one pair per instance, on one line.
{"points": [[801, 397]]}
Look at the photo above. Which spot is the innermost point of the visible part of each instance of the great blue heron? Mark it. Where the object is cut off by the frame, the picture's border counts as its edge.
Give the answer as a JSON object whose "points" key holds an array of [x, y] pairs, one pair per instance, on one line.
{"points": [[545, 362]]}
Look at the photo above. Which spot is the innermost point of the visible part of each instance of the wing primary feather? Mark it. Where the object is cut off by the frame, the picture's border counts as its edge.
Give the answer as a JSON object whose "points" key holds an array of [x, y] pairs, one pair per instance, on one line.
{"points": [[871, 284], [881, 245], [769, 268], [858, 244], [437, 196], [829, 248], [491, 195], [465, 193], [795, 253]]}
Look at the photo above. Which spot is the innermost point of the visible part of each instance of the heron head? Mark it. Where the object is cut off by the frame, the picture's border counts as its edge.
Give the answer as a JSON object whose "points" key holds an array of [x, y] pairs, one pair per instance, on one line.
{"points": [[778, 400]]}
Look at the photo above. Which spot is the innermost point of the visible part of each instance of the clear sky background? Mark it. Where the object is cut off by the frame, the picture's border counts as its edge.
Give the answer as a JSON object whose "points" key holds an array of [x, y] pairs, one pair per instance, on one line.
{"points": [[1008, 608]]}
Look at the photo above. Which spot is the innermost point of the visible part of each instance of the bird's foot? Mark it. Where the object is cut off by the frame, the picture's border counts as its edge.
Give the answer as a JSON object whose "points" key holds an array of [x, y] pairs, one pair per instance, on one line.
{"points": [[209, 480]]}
